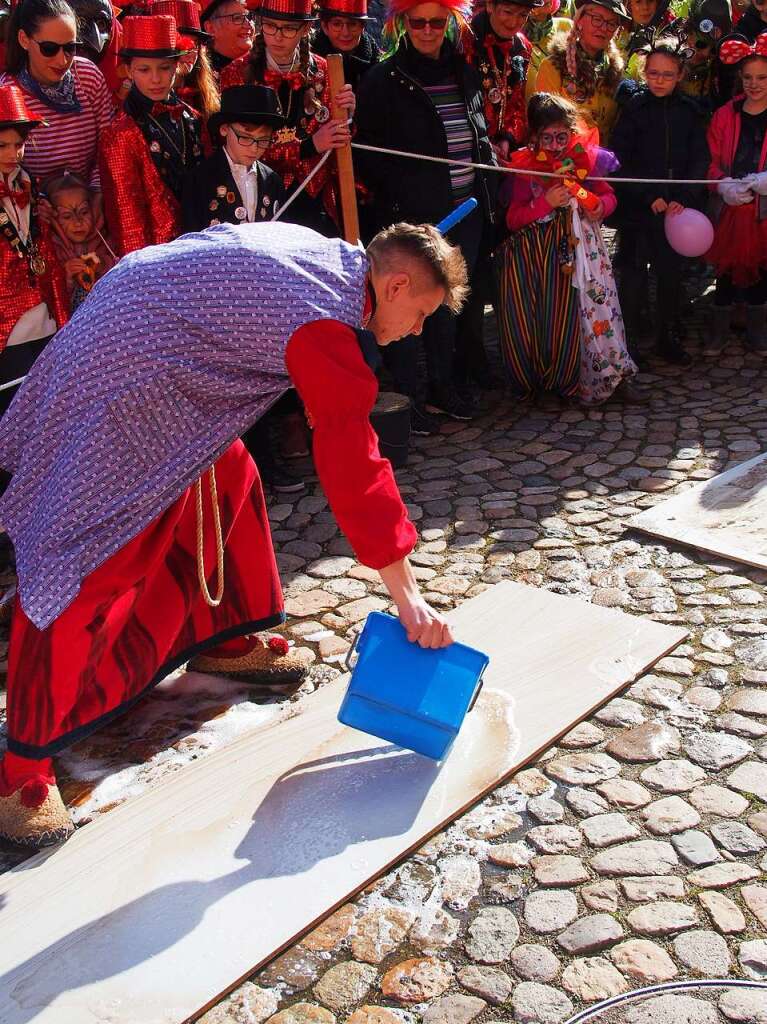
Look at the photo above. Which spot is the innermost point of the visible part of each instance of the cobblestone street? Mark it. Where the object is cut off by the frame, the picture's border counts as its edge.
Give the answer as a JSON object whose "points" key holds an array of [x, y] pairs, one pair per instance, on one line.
{"points": [[633, 852]]}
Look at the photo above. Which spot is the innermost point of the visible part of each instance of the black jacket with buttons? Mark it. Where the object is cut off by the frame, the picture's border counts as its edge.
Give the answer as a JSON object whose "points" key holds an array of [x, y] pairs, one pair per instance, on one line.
{"points": [[659, 138], [395, 111]]}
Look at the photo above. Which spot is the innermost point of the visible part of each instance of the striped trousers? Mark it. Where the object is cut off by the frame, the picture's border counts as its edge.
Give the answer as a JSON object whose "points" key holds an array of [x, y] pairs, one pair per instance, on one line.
{"points": [[538, 310]]}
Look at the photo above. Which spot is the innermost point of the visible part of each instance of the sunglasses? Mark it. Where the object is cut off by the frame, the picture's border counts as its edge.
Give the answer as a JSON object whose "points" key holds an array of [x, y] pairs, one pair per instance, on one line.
{"points": [[249, 141], [420, 23], [51, 49]]}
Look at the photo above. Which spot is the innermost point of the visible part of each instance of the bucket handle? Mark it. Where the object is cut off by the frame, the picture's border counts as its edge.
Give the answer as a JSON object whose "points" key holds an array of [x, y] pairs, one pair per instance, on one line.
{"points": [[350, 654], [477, 692]]}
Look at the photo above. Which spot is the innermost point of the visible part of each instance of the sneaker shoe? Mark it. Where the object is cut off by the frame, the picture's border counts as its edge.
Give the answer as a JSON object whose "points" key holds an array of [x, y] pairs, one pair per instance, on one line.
{"points": [[449, 403], [281, 482], [295, 437], [421, 423]]}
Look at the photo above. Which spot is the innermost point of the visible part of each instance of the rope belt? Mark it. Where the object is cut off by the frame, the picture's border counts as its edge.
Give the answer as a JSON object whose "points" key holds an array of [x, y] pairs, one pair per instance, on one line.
{"points": [[212, 602]]}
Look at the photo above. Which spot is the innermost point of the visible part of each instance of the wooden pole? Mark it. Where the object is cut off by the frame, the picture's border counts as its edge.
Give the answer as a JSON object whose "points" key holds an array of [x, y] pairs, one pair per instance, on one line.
{"points": [[344, 163]]}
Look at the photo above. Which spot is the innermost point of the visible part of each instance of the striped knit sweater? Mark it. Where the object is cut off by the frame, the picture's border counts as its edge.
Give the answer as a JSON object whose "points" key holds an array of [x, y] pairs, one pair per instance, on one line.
{"points": [[69, 141], [451, 108]]}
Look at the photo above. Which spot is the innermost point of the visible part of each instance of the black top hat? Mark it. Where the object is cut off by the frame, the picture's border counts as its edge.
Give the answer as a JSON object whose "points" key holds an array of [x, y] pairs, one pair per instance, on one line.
{"points": [[614, 6], [248, 104]]}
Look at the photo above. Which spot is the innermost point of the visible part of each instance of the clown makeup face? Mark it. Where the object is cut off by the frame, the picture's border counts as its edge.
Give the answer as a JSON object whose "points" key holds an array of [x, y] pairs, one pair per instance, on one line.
{"points": [[753, 73], [506, 19], [153, 76], [663, 74], [596, 27], [554, 139], [94, 26], [343, 33], [642, 11], [426, 26], [281, 38], [51, 49], [189, 57], [232, 30], [74, 213], [11, 149]]}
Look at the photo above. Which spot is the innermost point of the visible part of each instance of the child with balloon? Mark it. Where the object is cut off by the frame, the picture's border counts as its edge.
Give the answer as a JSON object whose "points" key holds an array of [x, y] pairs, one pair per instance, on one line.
{"points": [[660, 135], [738, 144]]}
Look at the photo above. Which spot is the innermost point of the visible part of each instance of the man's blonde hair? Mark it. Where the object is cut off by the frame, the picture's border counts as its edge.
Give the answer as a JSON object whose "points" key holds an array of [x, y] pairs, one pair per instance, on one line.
{"points": [[401, 244]]}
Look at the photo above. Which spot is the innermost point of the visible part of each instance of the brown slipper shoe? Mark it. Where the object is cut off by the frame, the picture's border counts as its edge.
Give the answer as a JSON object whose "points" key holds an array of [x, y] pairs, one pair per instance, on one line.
{"points": [[31, 826], [273, 664]]}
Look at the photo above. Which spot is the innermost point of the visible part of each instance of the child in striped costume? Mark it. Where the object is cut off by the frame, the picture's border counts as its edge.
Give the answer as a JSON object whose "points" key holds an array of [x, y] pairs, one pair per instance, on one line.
{"points": [[560, 320]]}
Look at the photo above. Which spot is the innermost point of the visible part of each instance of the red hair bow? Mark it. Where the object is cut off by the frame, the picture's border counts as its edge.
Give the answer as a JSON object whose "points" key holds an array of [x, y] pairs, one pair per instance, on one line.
{"points": [[732, 51]]}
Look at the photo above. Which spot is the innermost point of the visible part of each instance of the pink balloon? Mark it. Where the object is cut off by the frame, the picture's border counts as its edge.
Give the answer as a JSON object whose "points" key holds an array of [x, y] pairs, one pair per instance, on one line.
{"points": [[690, 233]]}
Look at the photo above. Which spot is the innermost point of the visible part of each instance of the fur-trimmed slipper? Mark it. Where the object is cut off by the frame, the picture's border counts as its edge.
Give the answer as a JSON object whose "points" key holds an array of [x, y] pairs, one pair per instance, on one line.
{"points": [[273, 664], [35, 816]]}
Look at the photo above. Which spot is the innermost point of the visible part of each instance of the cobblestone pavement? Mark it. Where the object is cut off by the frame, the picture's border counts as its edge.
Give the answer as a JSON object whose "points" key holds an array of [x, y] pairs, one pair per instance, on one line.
{"points": [[632, 853]]}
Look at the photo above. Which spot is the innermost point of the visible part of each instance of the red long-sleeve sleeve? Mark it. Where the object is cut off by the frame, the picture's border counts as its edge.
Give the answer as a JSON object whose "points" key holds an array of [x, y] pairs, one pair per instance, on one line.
{"points": [[339, 390]]}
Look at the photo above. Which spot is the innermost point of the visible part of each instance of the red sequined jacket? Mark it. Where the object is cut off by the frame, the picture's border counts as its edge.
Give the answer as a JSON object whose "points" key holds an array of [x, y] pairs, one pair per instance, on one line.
{"points": [[139, 207], [502, 66], [292, 154], [21, 289]]}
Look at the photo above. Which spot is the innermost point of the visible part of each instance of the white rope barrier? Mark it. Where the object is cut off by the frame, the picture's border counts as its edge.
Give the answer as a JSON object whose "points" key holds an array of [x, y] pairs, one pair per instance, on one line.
{"points": [[542, 174], [302, 186]]}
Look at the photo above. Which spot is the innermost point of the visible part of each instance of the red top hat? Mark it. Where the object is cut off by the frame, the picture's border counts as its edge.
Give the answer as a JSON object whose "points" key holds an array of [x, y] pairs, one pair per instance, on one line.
{"points": [[187, 15], [357, 9], [151, 35], [14, 113], [287, 10]]}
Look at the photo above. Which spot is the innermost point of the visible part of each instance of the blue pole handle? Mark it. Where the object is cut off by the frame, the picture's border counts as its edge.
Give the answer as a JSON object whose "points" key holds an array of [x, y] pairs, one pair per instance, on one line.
{"points": [[457, 215]]}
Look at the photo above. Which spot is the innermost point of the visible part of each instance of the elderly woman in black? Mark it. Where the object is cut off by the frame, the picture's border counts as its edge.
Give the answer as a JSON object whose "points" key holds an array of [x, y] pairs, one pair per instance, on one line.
{"points": [[426, 98]]}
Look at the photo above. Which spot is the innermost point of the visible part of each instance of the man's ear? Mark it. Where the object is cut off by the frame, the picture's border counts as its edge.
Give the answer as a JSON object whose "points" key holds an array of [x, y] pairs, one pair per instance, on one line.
{"points": [[397, 285]]}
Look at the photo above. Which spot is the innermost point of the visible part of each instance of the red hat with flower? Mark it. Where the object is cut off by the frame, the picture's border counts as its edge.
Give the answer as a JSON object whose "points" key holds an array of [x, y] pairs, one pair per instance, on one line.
{"points": [[14, 112], [735, 48], [151, 35]]}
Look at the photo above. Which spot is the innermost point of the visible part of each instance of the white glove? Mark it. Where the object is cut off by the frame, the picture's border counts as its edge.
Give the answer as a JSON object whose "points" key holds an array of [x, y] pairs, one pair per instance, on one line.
{"points": [[757, 182], [735, 193]]}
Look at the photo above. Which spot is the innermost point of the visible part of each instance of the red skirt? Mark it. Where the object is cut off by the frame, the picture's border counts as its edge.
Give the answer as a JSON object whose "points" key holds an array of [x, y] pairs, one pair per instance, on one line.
{"points": [[739, 249], [141, 615]]}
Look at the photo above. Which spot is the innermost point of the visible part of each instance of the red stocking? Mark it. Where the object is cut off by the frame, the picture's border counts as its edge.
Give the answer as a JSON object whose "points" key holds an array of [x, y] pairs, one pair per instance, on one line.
{"points": [[31, 777]]}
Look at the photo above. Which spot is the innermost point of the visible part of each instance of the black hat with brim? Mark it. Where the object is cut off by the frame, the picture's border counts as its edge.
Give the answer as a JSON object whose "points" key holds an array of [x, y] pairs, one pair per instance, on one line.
{"points": [[196, 33], [614, 6], [247, 104]]}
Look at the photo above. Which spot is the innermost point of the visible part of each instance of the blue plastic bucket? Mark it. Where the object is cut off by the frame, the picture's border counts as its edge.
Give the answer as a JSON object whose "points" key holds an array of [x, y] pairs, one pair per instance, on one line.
{"points": [[413, 697]]}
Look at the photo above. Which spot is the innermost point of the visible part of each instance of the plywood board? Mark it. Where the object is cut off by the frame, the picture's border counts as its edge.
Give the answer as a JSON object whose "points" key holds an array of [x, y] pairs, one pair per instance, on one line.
{"points": [[725, 516], [152, 912]]}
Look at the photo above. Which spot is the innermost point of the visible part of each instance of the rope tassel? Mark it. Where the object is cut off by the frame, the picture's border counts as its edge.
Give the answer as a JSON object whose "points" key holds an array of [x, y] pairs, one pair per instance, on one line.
{"points": [[212, 602]]}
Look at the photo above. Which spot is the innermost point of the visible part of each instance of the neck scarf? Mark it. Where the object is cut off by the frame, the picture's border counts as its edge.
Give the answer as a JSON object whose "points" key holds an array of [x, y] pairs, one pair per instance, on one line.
{"points": [[61, 97]]}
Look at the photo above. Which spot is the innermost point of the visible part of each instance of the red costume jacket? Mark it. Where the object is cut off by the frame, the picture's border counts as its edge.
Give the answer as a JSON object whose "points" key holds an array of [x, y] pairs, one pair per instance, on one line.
{"points": [[139, 206], [339, 390], [502, 65], [20, 288], [292, 154]]}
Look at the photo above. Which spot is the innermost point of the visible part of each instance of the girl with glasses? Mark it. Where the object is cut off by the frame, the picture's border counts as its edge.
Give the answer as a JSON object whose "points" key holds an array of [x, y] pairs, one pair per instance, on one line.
{"points": [[151, 146], [585, 65], [65, 91], [281, 59], [560, 322], [660, 134], [426, 97]]}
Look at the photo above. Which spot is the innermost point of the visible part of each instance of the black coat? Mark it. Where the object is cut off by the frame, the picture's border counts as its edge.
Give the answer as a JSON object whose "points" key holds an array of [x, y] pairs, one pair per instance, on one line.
{"points": [[394, 111], [208, 188], [659, 138]]}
